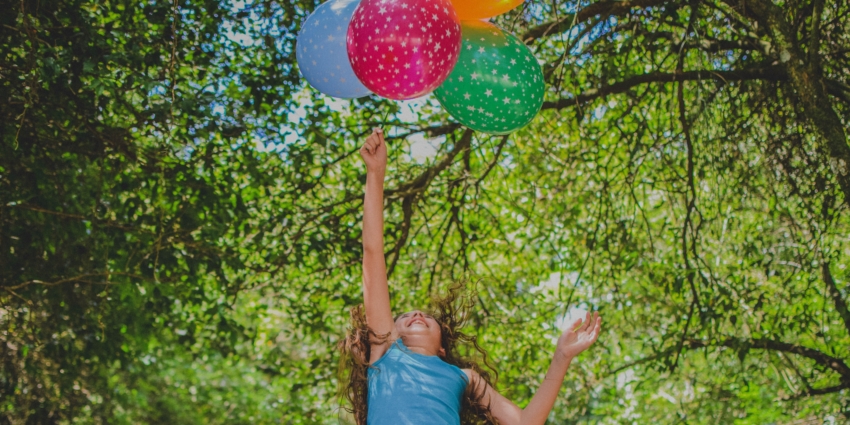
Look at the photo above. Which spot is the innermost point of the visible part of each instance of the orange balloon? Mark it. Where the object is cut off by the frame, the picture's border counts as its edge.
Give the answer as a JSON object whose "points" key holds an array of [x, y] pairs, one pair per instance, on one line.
{"points": [[483, 9]]}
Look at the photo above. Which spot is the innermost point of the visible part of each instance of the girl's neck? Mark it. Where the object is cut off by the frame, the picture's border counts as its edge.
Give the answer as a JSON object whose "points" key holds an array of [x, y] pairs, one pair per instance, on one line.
{"points": [[412, 344]]}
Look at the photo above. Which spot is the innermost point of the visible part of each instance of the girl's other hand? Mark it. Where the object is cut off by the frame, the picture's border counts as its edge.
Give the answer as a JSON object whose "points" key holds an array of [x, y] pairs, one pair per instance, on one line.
{"points": [[374, 152], [579, 336]]}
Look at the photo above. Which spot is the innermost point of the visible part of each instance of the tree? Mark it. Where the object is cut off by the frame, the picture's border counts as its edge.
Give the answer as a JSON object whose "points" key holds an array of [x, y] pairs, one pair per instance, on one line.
{"points": [[179, 222]]}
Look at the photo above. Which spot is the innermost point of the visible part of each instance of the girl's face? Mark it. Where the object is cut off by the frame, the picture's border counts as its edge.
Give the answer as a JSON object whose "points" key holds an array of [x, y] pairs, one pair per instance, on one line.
{"points": [[422, 330]]}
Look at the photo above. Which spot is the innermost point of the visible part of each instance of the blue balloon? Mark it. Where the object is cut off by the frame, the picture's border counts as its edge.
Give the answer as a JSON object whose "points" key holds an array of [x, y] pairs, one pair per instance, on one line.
{"points": [[322, 54]]}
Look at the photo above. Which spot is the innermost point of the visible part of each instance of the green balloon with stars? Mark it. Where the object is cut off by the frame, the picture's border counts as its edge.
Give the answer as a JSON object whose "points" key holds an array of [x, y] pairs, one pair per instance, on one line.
{"points": [[497, 85]]}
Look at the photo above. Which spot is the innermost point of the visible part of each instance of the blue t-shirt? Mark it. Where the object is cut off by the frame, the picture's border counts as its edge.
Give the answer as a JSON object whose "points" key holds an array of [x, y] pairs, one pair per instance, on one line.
{"points": [[407, 388]]}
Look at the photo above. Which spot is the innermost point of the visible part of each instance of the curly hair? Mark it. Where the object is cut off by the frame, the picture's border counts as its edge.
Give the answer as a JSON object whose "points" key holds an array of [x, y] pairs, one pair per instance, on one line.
{"points": [[451, 312]]}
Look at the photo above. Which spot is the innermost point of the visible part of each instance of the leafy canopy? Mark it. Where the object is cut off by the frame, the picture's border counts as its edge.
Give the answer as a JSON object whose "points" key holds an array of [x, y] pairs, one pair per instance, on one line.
{"points": [[179, 213]]}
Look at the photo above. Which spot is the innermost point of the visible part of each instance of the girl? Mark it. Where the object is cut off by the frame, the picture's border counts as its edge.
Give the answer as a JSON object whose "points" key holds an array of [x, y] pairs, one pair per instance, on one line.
{"points": [[404, 370]]}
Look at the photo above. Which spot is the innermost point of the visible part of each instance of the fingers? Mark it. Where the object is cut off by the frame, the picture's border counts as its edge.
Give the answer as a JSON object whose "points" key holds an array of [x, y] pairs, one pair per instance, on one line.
{"points": [[574, 326], [591, 323], [587, 322], [597, 328], [375, 140]]}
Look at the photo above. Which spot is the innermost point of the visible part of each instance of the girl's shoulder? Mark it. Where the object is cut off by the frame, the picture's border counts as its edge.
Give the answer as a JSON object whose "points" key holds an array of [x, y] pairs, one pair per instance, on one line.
{"points": [[471, 375]]}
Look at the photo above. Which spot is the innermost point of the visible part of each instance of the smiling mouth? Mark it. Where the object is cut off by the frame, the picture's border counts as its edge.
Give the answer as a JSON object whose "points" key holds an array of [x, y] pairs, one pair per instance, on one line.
{"points": [[417, 321]]}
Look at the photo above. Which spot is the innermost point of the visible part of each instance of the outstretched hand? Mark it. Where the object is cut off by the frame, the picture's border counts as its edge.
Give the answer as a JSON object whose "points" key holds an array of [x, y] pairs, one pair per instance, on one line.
{"points": [[579, 336], [374, 152]]}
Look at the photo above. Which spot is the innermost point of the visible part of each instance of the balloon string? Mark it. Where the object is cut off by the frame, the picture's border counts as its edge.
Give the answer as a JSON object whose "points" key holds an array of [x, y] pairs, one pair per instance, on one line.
{"points": [[383, 122]]}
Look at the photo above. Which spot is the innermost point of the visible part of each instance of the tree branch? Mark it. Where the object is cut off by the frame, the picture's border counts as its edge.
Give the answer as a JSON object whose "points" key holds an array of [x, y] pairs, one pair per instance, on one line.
{"points": [[410, 192], [707, 44], [814, 35], [690, 195], [838, 89], [420, 183], [819, 357], [81, 278], [97, 220], [809, 86], [820, 391], [833, 363], [602, 9], [770, 73], [837, 299]]}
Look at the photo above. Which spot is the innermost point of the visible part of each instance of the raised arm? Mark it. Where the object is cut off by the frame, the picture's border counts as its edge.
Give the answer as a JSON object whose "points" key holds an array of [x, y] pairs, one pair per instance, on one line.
{"points": [[572, 342], [376, 294]]}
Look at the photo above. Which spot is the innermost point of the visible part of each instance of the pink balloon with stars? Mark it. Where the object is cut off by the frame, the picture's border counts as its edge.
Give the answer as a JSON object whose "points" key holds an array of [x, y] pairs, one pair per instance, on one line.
{"points": [[402, 49]]}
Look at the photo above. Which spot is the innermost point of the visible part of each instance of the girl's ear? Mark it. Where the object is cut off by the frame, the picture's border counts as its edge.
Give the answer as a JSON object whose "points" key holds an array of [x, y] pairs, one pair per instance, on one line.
{"points": [[442, 352]]}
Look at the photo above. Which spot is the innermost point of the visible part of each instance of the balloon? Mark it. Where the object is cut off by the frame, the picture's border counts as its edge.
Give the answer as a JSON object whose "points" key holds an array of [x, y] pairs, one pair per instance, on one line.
{"points": [[497, 85], [483, 9], [321, 51], [403, 49]]}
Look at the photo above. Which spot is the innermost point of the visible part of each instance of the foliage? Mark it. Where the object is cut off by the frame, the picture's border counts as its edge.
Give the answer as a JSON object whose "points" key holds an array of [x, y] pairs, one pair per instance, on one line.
{"points": [[179, 214]]}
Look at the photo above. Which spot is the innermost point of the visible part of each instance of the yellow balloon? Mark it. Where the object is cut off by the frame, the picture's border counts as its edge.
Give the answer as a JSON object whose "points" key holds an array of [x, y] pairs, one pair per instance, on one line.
{"points": [[483, 9]]}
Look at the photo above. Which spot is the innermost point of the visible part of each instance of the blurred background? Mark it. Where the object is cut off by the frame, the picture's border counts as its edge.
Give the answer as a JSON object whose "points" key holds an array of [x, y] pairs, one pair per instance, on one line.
{"points": [[180, 213]]}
